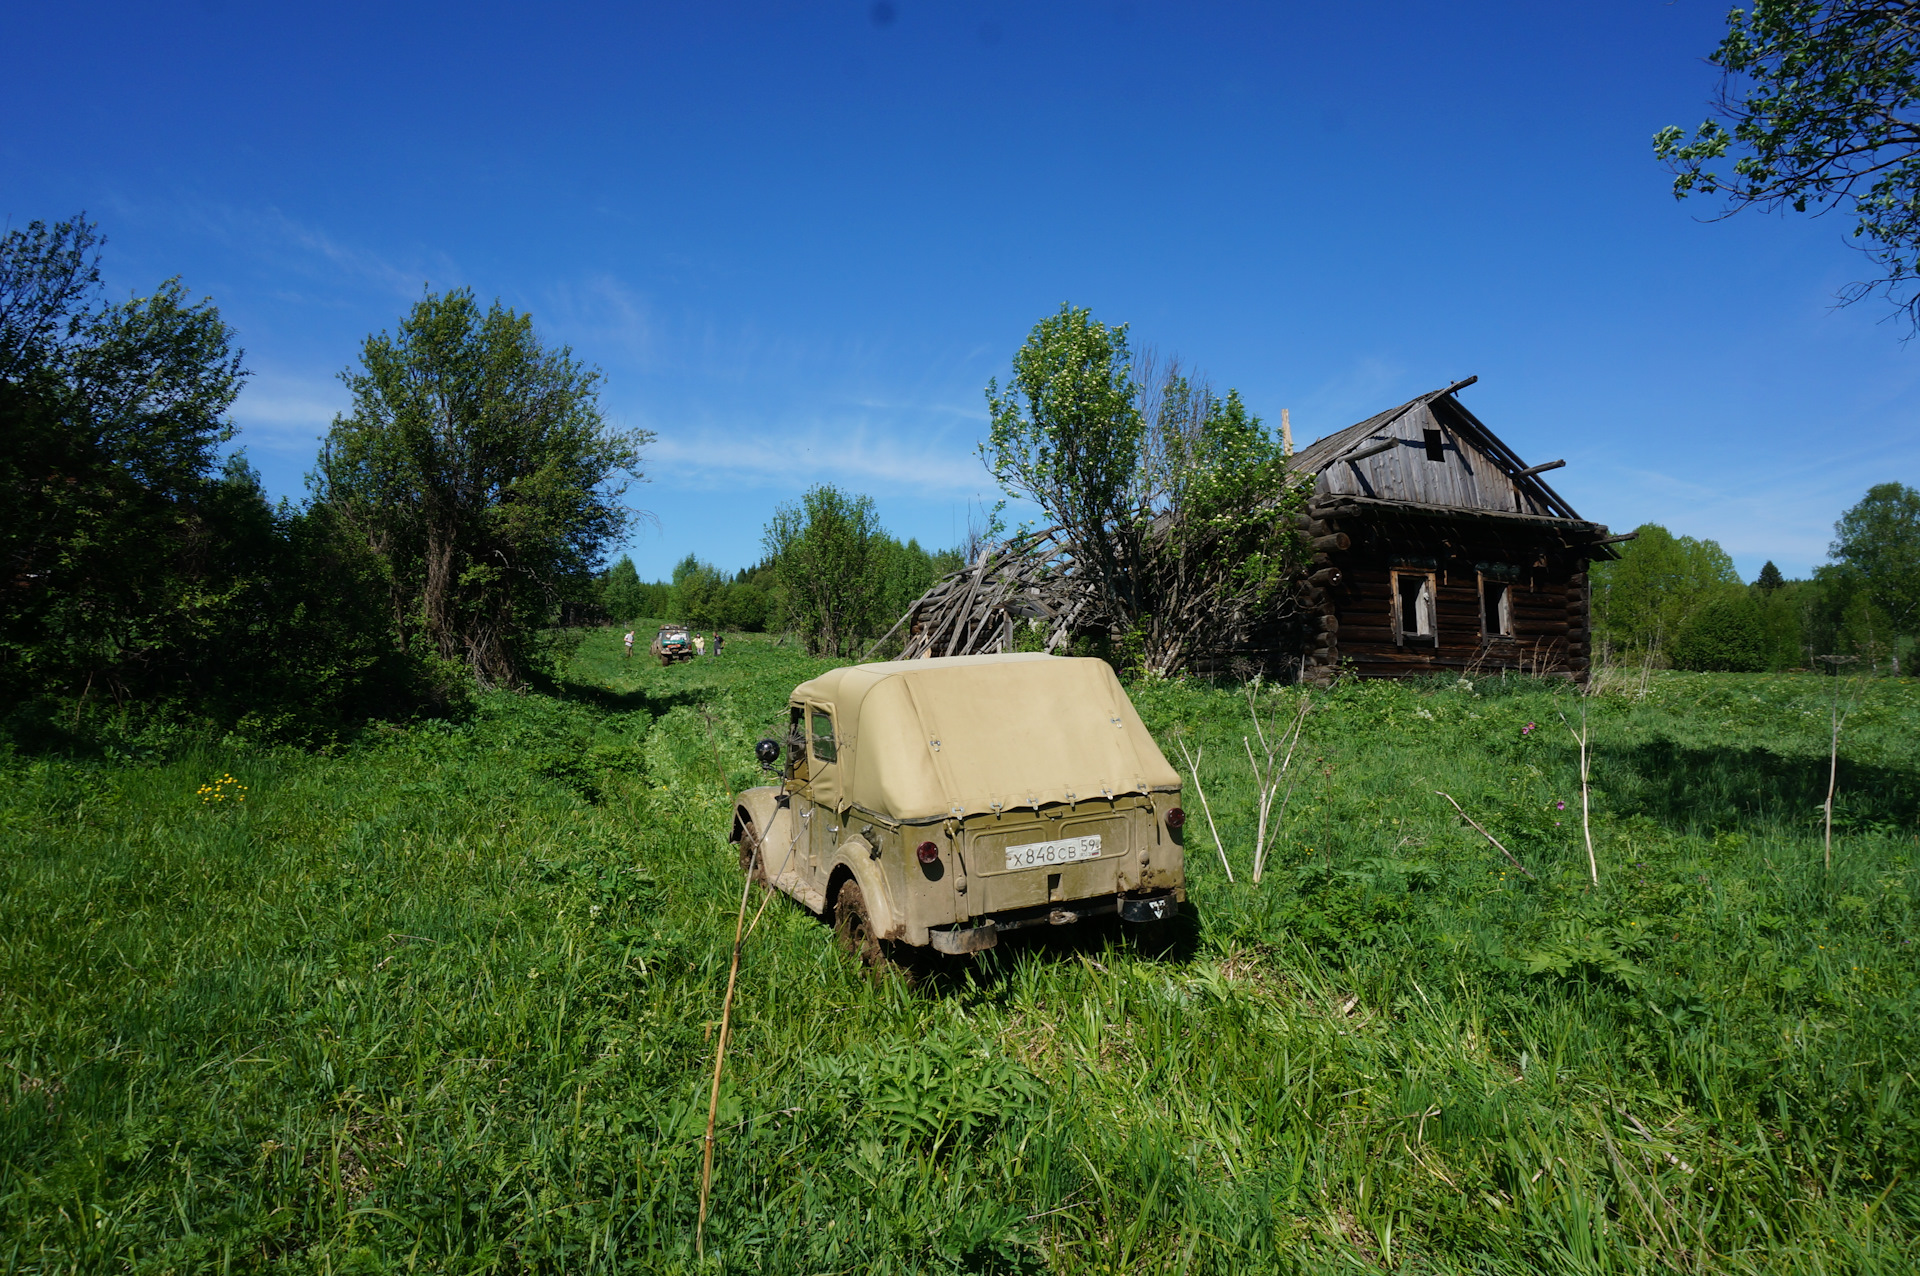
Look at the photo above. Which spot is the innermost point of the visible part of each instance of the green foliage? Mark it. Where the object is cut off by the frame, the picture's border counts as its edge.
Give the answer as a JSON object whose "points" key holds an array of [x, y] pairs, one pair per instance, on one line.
{"points": [[1220, 553], [145, 576], [1642, 600], [829, 557], [478, 468], [931, 1095], [623, 597], [1725, 632], [1769, 578], [1821, 96], [1177, 502], [445, 996], [1879, 543], [699, 592], [1067, 435], [112, 417]]}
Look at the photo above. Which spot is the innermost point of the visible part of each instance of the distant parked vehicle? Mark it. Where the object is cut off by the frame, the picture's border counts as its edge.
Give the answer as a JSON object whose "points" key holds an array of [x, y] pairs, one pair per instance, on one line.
{"points": [[672, 643], [948, 801]]}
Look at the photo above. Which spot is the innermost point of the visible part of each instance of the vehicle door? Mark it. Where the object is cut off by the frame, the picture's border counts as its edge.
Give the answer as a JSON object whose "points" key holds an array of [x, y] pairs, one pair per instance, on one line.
{"points": [[825, 784]]}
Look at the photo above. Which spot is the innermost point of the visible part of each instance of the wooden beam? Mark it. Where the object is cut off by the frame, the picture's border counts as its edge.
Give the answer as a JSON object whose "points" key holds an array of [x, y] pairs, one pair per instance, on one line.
{"points": [[1375, 449], [1532, 470]]}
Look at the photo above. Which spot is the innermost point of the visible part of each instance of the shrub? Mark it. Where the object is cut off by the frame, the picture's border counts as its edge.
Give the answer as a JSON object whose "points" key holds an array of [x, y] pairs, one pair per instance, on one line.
{"points": [[1725, 634]]}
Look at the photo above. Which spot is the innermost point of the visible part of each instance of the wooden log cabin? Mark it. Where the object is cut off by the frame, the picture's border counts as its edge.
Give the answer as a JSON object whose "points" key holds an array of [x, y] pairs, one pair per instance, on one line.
{"points": [[1437, 549]]}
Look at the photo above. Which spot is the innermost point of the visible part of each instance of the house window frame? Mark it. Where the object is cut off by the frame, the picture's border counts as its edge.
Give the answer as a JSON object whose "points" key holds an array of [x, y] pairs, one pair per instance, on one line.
{"points": [[1504, 618], [1402, 635]]}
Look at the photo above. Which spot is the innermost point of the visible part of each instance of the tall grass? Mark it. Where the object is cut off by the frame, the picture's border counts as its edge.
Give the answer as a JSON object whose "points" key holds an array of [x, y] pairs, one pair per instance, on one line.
{"points": [[446, 999]]}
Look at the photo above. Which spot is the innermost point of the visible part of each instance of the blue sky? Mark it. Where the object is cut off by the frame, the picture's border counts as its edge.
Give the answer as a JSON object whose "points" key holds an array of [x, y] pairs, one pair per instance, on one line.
{"points": [[798, 239]]}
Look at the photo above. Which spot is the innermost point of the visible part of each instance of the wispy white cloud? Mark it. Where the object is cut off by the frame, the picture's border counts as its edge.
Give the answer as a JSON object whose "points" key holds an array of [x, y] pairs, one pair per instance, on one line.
{"points": [[1364, 387], [856, 456], [283, 413], [304, 250], [605, 315]]}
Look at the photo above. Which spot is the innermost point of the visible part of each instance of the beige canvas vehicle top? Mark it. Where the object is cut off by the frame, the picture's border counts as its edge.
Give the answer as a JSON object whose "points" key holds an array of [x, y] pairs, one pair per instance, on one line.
{"points": [[962, 735]]}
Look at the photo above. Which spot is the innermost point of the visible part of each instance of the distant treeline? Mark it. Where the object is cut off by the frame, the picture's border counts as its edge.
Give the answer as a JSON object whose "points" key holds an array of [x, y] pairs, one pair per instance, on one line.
{"points": [[759, 599], [1675, 600]]}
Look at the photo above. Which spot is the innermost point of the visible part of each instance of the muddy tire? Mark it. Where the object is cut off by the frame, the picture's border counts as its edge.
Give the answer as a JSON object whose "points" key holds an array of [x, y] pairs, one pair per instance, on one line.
{"points": [[853, 929]]}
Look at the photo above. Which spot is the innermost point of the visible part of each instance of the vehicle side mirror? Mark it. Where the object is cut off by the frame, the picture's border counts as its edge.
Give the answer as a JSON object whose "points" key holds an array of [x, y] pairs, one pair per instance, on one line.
{"points": [[768, 752]]}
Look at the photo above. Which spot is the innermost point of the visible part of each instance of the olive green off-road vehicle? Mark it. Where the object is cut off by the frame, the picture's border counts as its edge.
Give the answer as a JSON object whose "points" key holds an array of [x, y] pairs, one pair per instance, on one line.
{"points": [[945, 802]]}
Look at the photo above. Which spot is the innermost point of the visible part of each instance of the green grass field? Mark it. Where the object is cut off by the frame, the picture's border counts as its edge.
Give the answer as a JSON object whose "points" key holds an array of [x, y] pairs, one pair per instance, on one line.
{"points": [[443, 999]]}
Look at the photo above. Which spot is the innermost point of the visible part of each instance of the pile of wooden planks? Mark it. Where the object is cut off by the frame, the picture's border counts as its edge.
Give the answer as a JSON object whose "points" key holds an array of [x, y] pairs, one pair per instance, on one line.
{"points": [[978, 609]]}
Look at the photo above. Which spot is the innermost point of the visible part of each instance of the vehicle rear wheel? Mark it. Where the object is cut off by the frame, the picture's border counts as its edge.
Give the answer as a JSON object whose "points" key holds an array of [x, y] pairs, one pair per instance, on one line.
{"points": [[853, 929]]}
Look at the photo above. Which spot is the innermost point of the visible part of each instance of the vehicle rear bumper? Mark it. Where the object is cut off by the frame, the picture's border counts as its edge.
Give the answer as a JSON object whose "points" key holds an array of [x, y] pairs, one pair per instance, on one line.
{"points": [[984, 933]]}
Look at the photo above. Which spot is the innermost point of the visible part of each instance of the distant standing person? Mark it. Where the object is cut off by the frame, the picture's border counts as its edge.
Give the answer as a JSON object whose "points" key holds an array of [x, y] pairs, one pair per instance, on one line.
{"points": [[629, 654], [719, 641], [699, 644]]}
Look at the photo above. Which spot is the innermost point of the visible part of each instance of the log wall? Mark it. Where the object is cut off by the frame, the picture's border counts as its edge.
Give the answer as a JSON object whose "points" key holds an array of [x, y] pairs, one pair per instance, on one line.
{"points": [[1350, 600]]}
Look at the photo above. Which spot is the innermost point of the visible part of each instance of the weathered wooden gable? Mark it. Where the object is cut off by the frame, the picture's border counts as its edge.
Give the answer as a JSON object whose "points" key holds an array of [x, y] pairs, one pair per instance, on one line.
{"points": [[1430, 451]]}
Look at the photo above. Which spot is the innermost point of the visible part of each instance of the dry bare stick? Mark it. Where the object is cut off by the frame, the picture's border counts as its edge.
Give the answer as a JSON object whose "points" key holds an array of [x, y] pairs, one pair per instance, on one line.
{"points": [[1586, 823], [1833, 758], [1490, 837], [719, 1059], [1193, 767], [1268, 779]]}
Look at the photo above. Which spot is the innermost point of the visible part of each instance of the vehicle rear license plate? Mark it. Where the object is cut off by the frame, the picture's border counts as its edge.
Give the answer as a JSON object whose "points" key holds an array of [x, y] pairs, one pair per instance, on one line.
{"points": [[1065, 851]]}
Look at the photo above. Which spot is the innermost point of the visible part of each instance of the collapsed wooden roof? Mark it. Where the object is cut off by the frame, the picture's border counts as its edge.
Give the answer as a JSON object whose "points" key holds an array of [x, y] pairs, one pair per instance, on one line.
{"points": [[976, 610], [1432, 452]]}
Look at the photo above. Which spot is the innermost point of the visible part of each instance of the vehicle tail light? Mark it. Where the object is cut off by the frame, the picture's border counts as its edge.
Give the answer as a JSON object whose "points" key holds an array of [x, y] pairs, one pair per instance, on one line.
{"points": [[1175, 819], [927, 852]]}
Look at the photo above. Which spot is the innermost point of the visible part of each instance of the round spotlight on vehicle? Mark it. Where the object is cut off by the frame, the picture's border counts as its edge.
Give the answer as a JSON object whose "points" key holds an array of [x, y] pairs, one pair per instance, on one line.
{"points": [[927, 852], [767, 751], [1176, 818]]}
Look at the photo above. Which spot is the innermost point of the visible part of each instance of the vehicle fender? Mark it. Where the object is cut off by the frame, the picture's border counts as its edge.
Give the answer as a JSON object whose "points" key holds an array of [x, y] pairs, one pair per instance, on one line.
{"points": [[774, 824], [856, 856], [759, 806]]}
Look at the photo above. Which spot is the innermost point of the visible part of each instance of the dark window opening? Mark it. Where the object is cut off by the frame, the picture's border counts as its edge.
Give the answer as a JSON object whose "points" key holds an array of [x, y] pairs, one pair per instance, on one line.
{"points": [[1436, 447], [1413, 607], [823, 749], [1496, 602]]}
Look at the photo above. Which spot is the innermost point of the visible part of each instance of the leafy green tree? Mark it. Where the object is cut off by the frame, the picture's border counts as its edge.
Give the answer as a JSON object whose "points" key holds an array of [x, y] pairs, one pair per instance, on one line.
{"points": [[624, 598], [744, 607], [1067, 434], [1879, 540], [1769, 578], [479, 469], [1178, 503], [1785, 612], [1218, 553], [826, 549], [699, 592], [1642, 600], [1820, 108], [1724, 632], [141, 569], [111, 416]]}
